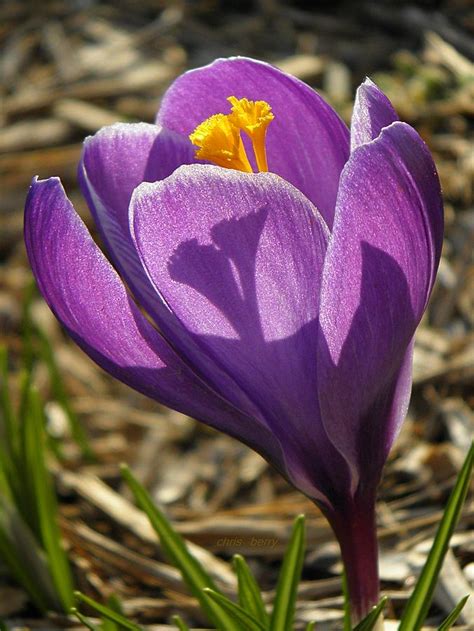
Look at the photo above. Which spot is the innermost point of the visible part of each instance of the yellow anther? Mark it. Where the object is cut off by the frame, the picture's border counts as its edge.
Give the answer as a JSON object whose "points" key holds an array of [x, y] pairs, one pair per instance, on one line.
{"points": [[219, 141], [253, 117]]}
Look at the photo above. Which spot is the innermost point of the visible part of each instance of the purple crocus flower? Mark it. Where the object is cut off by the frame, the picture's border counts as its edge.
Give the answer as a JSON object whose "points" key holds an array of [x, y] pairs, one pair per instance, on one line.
{"points": [[281, 305]]}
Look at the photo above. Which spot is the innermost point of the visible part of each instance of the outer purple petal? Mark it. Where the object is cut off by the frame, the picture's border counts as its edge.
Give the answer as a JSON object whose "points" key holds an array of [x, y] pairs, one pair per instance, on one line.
{"points": [[307, 143], [372, 112], [90, 300], [114, 162], [378, 275], [238, 260]]}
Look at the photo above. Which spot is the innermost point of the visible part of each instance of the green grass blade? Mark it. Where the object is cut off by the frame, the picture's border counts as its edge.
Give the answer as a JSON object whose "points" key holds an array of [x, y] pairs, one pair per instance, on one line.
{"points": [[23, 476], [9, 431], [21, 574], [108, 613], [26, 381], [27, 338], [25, 491], [250, 597], [174, 546], [46, 502], [108, 625], [35, 342], [454, 615], [248, 622], [83, 619], [62, 397], [8, 426], [369, 622], [419, 602], [25, 559], [311, 626], [290, 573], [5, 490], [113, 603], [346, 622], [180, 624]]}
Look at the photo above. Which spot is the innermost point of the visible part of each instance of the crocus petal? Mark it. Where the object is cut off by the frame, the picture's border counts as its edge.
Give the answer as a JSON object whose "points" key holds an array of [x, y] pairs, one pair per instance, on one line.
{"points": [[114, 162], [372, 112], [238, 257], [307, 143], [379, 271], [238, 260], [90, 300]]}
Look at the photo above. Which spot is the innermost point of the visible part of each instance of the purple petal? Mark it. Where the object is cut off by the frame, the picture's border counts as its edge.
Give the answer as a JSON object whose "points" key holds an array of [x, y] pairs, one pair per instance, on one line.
{"points": [[378, 275], [398, 408], [90, 300], [238, 259], [307, 143], [114, 162], [372, 112]]}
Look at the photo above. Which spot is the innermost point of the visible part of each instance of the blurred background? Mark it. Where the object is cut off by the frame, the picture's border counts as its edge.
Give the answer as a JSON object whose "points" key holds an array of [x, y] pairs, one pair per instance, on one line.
{"points": [[67, 69]]}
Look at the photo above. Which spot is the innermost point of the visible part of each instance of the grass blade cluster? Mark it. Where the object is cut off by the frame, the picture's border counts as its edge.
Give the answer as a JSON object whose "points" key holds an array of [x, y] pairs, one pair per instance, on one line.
{"points": [[37, 347], [47, 508], [245, 619], [250, 597], [250, 612], [420, 600], [30, 540], [108, 613], [284, 606], [174, 546]]}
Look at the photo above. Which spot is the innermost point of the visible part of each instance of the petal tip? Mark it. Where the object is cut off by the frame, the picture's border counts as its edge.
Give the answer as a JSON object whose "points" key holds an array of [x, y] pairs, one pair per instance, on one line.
{"points": [[37, 185], [372, 112], [368, 83]]}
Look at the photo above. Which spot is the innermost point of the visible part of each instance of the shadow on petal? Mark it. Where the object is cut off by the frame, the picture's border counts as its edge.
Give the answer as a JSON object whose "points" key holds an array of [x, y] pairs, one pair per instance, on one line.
{"points": [[279, 375], [220, 273]]}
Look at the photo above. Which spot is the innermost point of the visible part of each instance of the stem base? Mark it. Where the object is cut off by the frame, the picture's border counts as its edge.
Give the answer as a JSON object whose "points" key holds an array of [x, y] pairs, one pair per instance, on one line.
{"points": [[356, 531]]}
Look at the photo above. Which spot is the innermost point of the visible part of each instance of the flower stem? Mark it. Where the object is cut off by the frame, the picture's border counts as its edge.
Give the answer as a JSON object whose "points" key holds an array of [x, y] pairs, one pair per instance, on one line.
{"points": [[356, 531]]}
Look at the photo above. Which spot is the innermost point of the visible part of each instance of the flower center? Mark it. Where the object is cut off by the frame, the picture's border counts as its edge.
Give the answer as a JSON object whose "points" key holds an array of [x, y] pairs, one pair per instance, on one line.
{"points": [[220, 141]]}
